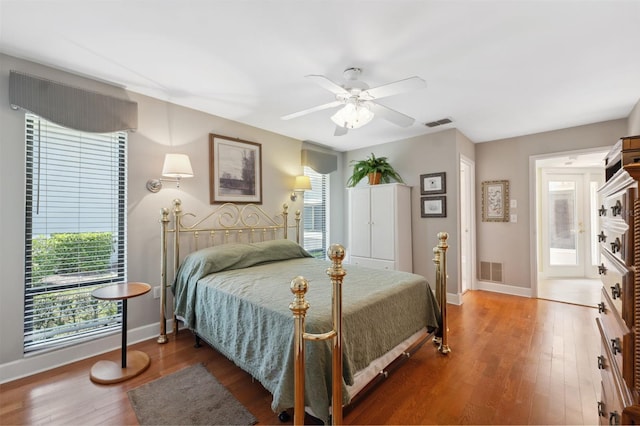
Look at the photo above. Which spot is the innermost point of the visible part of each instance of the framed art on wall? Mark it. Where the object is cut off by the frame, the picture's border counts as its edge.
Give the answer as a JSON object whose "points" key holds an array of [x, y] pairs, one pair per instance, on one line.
{"points": [[433, 206], [495, 201], [433, 183], [235, 170]]}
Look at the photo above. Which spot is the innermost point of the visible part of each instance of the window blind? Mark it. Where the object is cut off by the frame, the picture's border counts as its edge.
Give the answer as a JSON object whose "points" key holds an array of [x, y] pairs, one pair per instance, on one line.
{"points": [[316, 214], [75, 235]]}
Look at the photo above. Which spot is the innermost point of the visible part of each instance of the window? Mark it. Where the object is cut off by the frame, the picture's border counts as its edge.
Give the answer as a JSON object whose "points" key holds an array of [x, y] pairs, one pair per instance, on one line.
{"points": [[316, 214], [75, 234]]}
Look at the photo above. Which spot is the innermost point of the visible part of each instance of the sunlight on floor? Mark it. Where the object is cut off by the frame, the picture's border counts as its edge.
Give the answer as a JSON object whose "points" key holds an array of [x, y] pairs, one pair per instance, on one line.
{"points": [[579, 291]]}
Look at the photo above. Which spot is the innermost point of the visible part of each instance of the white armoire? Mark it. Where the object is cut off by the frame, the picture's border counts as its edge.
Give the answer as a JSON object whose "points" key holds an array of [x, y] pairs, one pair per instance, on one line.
{"points": [[380, 226]]}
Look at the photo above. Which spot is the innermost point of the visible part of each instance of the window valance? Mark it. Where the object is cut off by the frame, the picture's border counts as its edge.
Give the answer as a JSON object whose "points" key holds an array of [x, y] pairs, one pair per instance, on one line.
{"points": [[319, 161], [70, 106]]}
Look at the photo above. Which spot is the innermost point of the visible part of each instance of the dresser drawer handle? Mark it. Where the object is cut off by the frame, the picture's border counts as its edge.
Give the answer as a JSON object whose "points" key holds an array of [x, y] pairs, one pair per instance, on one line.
{"points": [[601, 411], [616, 291], [617, 209], [600, 307], [615, 246], [615, 346], [614, 418], [601, 237], [602, 211], [602, 270], [600, 362]]}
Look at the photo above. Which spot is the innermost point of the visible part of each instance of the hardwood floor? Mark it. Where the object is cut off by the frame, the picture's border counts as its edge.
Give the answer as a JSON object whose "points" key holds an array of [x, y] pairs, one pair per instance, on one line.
{"points": [[514, 361], [579, 291]]}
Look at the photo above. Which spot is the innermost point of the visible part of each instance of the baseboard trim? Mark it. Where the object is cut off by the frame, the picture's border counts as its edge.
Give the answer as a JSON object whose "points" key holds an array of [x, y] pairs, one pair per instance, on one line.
{"points": [[37, 363], [504, 289], [454, 298]]}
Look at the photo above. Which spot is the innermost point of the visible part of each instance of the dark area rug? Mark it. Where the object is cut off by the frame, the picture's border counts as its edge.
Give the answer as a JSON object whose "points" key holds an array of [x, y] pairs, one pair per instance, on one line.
{"points": [[191, 396]]}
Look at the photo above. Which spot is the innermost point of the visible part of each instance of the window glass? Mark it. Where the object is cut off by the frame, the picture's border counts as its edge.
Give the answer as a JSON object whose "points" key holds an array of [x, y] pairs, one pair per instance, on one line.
{"points": [[75, 238]]}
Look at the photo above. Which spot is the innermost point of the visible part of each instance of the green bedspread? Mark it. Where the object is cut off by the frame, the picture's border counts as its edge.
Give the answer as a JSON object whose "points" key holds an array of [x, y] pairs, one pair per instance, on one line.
{"points": [[244, 313]]}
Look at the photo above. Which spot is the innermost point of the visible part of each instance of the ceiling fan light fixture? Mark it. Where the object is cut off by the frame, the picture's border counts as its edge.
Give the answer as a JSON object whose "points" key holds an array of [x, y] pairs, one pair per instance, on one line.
{"points": [[352, 116]]}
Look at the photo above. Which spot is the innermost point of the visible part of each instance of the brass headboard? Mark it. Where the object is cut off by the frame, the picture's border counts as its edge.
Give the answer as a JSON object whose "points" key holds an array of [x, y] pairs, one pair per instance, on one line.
{"points": [[227, 223]]}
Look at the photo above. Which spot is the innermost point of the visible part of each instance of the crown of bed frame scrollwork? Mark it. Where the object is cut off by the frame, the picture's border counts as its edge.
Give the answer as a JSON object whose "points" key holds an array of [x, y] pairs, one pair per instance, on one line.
{"points": [[230, 217], [234, 216]]}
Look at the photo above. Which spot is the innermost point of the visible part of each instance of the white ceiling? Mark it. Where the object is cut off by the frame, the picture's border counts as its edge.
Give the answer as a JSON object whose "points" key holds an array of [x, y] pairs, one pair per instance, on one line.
{"points": [[498, 69]]}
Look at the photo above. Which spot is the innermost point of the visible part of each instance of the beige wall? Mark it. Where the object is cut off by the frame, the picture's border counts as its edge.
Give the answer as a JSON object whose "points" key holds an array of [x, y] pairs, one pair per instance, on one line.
{"points": [[634, 121], [163, 127], [509, 243], [433, 153]]}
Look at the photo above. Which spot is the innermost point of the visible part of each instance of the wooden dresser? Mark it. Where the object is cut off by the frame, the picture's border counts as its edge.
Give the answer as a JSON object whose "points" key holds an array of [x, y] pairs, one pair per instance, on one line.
{"points": [[619, 321]]}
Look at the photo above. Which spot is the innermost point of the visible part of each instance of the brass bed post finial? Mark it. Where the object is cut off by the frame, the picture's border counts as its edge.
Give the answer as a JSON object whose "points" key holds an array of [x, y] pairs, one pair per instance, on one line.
{"points": [[336, 253], [299, 307], [164, 220], [441, 284]]}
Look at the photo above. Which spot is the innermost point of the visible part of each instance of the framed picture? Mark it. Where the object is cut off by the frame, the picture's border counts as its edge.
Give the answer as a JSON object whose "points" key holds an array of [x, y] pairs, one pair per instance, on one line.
{"points": [[235, 170], [495, 201], [433, 206], [433, 183]]}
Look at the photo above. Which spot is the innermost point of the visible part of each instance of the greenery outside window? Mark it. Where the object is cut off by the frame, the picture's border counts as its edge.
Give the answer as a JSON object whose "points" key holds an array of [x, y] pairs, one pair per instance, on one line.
{"points": [[75, 234]]}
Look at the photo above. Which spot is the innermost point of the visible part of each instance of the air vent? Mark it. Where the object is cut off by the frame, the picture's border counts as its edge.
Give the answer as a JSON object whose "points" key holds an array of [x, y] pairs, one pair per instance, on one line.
{"points": [[438, 122], [491, 271]]}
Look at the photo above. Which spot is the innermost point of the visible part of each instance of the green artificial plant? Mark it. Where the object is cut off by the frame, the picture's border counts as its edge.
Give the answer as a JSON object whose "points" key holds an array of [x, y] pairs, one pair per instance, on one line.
{"points": [[370, 165]]}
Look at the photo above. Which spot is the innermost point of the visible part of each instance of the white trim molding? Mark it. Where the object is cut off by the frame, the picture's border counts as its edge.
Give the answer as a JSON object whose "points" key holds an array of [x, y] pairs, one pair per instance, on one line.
{"points": [[39, 362], [504, 289]]}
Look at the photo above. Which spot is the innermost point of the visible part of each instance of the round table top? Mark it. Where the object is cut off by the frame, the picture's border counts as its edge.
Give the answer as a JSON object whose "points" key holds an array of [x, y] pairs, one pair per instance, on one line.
{"points": [[121, 291]]}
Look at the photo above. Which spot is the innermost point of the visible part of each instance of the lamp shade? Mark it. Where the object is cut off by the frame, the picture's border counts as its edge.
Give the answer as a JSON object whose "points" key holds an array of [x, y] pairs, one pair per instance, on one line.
{"points": [[177, 166], [302, 183], [352, 116]]}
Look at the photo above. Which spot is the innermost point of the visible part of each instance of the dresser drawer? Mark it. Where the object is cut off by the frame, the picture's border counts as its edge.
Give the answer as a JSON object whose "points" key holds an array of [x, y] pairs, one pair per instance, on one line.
{"points": [[612, 397], [617, 281], [609, 410], [616, 223], [373, 263], [615, 330]]}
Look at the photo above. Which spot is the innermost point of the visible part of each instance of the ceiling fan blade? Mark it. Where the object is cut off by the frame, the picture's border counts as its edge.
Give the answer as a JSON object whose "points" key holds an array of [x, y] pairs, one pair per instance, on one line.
{"points": [[340, 131], [310, 110], [324, 82], [391, 115], [400, 86]]}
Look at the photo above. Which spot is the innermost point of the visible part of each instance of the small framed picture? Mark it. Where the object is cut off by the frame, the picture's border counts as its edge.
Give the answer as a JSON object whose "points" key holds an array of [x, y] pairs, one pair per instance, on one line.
{"points": [[433, 183], [495, 201], [433, 206]]}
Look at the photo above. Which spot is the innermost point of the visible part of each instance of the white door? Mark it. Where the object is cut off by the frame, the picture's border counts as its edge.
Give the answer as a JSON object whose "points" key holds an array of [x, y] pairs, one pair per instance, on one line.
{"points": [[568, 216], [466, 224], [360, 222], [383, 205]]}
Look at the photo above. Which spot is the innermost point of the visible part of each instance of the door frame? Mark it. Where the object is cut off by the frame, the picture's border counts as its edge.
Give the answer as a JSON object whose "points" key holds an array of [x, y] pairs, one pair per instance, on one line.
{"points": [[535, 208], [470, 204]]}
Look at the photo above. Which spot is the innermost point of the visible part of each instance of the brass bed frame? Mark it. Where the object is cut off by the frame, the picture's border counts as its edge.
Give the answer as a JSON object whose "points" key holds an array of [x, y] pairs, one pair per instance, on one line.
{"points": [[228, 222], [250, 223]]}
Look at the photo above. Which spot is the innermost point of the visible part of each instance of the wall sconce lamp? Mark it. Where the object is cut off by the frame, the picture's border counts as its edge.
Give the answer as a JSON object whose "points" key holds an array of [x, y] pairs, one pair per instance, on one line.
{"points": [[176, 167], [302, 184]]}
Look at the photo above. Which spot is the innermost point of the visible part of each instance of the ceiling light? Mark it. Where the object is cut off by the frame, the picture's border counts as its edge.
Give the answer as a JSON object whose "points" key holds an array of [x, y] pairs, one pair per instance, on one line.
{"points": [[353, 115]]}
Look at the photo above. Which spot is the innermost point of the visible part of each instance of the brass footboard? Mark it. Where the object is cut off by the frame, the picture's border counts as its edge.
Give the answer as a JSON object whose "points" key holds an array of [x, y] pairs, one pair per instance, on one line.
{"points": [[299, 307]]}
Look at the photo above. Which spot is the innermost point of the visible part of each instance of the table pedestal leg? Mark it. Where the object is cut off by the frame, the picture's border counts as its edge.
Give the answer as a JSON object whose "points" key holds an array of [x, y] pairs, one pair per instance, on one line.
{"points": [[132, 363]]}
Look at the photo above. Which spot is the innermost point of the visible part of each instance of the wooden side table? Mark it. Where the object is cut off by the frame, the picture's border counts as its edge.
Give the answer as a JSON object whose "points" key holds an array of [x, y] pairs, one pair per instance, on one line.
{"points": [[133, 362]]}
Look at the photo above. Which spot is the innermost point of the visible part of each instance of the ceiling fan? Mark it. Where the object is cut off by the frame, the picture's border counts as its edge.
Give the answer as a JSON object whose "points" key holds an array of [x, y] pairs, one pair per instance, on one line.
{"points": [[359, 101]]}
